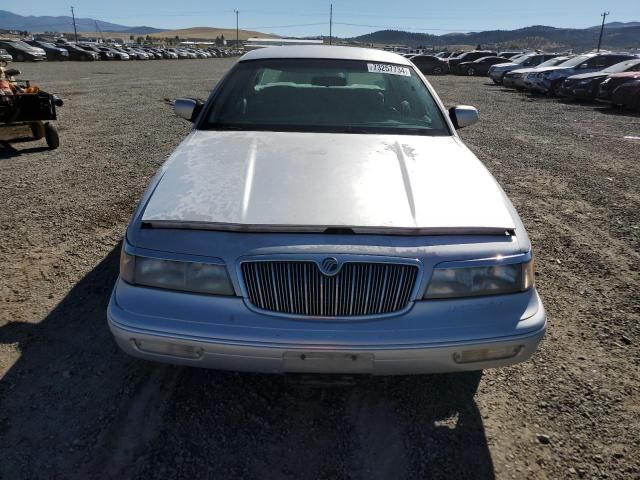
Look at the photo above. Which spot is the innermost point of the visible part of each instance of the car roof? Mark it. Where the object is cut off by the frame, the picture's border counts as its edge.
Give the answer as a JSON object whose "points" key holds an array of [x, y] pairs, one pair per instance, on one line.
{"points": [[325, 52]]}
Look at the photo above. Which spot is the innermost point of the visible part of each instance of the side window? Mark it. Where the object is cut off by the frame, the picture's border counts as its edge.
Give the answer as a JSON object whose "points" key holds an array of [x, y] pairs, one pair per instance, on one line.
{"points": [[598, 62], [612, 60]]}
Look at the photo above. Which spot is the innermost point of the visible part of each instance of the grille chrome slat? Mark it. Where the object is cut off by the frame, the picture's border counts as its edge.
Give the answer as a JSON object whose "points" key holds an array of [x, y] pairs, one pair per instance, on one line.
{"points": [[300, 288]]}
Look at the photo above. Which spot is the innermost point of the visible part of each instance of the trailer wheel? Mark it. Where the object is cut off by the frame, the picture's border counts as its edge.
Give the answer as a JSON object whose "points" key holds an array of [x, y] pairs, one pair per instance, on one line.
{"points": [[37, 130], [51, 136]]}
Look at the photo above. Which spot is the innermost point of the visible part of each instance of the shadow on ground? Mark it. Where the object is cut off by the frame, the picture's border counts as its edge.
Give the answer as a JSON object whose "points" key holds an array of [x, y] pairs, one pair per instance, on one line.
{"points": [[8, 151], [74, 407]]}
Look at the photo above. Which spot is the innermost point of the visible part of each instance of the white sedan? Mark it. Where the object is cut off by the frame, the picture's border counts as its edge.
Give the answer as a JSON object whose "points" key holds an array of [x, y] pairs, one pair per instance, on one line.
{"points": [[323, 216]]}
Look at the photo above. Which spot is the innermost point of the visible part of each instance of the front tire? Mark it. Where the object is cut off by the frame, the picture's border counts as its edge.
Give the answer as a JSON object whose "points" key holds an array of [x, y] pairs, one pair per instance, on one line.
{"points": [[554, 91], [51, 136], [437, 71], [471, 72], [38, 130]]}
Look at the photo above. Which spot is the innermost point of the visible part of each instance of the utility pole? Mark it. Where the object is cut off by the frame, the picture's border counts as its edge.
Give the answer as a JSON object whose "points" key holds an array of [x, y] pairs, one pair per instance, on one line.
{"points": [[99, 31], [237, 12], [331, 24], [604, 16], [75, 29]]}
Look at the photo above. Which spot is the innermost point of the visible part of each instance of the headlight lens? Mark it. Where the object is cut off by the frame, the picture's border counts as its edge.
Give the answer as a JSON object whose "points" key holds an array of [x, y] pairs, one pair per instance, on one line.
{"points": [[477, 281], [175, 275]]}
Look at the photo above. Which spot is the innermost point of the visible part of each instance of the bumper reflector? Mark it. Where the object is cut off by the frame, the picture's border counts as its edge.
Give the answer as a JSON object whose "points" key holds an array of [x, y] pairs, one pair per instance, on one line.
{"points": [[165, 348], [486, 354]]}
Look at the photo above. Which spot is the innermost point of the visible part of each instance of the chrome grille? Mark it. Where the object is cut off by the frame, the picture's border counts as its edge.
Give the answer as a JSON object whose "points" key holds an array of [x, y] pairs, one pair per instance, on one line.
{"points": [[300, 288]]}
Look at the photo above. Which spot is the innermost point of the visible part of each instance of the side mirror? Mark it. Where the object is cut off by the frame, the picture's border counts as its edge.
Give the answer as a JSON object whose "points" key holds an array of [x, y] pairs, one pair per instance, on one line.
{"points": [[188, 108], [463, 116]]}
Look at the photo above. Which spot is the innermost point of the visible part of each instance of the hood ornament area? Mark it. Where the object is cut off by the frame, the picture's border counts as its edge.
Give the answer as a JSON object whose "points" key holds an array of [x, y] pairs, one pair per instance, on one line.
{"points": [[329, 266]]}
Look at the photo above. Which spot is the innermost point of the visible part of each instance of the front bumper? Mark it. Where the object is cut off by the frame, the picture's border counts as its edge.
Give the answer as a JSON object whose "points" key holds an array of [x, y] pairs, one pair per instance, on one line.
{"points": [[226, 335], [604, 96], [496, 76], [509, 81], [582, 92]]}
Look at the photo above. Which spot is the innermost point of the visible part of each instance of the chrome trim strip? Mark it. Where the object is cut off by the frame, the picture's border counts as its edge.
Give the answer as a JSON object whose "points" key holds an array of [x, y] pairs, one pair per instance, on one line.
{"points": [[363, 230]]}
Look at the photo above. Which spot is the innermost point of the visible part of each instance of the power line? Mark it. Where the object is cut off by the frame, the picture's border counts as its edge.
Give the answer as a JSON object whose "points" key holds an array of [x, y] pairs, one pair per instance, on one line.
{"points": [[387, 27], [266, 27]]}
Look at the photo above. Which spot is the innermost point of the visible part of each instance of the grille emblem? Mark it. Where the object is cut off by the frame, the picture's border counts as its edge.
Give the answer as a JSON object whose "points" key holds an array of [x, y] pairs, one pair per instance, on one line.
{"points": [[329, 266]]}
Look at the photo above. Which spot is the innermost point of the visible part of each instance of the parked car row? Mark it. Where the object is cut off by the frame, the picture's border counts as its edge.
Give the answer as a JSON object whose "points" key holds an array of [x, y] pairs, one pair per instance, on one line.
{"points": [[606, 77], [61, 50], [476, 62]]}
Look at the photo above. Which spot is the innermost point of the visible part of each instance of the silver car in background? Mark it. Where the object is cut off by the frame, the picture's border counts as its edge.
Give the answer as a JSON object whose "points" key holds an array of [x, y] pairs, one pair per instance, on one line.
{"points": [[528, 60], [323, 216], [517, 78]]}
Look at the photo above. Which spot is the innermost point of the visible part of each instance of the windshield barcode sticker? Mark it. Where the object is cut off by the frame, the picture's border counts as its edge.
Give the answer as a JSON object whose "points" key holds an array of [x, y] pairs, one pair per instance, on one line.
{"points": [[390, 69]]}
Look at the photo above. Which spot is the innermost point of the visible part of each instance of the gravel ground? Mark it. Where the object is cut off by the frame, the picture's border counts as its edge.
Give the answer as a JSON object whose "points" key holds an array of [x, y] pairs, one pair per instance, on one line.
{"points": [[73, 407]]}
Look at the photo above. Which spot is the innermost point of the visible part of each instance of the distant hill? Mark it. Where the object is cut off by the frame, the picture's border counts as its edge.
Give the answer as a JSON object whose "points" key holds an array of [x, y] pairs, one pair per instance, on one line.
{"points": [[210, 33], [618, 25], [539, 36], [12, 21]]}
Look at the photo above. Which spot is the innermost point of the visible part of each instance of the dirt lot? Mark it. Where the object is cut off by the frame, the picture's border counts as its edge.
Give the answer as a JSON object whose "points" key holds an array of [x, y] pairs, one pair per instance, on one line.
{"points": [[73, 407]]}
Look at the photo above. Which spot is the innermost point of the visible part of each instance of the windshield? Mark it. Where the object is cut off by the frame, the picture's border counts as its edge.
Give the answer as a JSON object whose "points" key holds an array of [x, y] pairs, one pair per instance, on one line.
{"points": [[521, 60], [552, 62], [48, 45], [572, 62], [20, 44], [343, 96], [515, 58], [622, 66]]}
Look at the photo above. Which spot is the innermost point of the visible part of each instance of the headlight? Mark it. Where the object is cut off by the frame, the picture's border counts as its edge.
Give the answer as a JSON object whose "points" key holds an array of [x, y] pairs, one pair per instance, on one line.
{"points": [[477, 281], [584, 82], [175, 275]]}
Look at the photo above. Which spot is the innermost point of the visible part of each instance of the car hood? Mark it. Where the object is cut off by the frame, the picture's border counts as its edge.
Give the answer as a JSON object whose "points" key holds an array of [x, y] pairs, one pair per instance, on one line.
{"points": [[625, 75], [275, 181], [556, 69], [500, 66], [521, 71], [584, 76]]}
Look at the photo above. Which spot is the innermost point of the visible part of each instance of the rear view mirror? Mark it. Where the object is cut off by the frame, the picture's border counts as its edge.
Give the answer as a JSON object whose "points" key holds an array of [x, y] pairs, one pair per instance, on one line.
{"points": [[463, 116], [188, 108]]}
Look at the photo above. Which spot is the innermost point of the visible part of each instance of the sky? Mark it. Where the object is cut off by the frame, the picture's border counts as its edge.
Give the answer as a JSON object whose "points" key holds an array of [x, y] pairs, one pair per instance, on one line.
{"points": [[351, 18]]}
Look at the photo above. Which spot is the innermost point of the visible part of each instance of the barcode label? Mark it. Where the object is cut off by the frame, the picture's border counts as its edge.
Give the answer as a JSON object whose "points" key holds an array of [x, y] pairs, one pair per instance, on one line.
{"points": [[390, 69]]}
